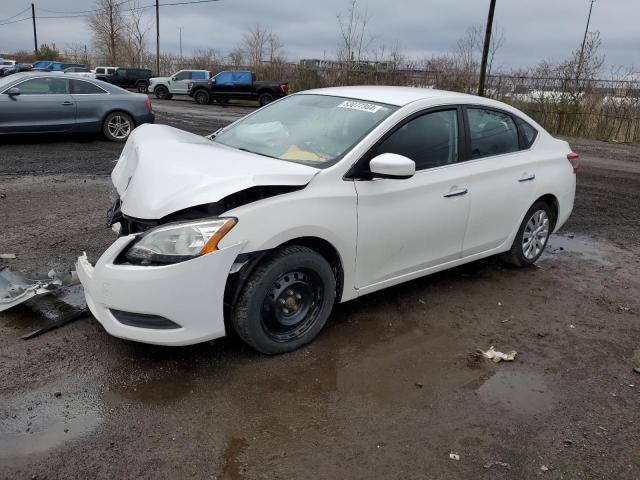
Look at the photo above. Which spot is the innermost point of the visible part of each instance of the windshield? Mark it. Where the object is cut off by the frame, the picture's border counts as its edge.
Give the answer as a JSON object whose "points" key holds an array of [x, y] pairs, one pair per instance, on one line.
{"points": [[313, 129]]}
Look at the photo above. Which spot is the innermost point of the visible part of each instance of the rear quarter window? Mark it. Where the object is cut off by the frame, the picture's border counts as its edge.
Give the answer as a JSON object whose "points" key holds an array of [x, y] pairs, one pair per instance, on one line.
{"points": [[528, 134]]}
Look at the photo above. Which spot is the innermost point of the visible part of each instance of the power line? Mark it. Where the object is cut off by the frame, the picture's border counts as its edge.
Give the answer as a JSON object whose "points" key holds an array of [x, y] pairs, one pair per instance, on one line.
{"points": [[16, 21], [16, 15]]}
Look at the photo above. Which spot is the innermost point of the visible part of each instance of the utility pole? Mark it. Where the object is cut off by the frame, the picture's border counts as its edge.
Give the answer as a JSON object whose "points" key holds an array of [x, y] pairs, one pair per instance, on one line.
{"points": [[35, 34], [158, 37], [180, 29], [485, 48], [584, 41]]}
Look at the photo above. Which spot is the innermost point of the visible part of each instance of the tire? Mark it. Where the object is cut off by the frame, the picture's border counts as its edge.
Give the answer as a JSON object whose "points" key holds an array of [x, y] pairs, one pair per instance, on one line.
{"points": [[286, 301], [162, 93], [265, 99], [201, 97], [143, 87], [532, 236], [117, 126]]}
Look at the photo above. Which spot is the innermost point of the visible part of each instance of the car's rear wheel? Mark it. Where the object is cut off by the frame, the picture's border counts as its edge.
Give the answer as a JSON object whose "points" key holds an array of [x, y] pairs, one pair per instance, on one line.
{"points": [[143, 87], [265, 99], [117, 126], [201, 97], [286, 301], [162, 93], [532, 236]]}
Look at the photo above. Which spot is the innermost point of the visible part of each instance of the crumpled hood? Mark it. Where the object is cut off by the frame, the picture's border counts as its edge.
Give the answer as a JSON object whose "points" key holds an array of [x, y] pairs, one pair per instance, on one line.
{"points": [[162, 170]]}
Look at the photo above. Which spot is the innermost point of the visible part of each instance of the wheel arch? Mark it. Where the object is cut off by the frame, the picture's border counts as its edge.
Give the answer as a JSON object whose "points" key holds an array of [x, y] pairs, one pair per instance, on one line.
{"points": [[236, 282], [114, 110], [551, 200]]}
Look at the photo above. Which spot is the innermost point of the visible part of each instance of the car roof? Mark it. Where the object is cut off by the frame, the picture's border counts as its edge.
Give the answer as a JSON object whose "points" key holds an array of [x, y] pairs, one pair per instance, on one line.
{"points": [[399, 96]]}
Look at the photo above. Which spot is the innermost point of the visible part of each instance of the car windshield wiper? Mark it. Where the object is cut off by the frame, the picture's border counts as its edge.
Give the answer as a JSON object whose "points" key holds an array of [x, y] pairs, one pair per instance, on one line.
{"points": [[257, 153]]}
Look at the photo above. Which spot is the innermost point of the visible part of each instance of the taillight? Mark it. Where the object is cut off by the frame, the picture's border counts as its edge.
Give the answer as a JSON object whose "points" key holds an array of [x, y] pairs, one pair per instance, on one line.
{"points": [[574, 159], [147, 103], [284, 87]]}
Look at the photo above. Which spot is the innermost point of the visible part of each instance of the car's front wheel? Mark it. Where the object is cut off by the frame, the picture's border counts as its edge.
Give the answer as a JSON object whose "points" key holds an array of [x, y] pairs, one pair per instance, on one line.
{"points": [[162, 93], [286, 301], [532, 236], [117, 126]]}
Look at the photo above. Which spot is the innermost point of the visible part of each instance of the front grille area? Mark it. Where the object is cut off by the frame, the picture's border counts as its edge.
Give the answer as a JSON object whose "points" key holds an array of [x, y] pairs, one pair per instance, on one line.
{"points": [[142, 320]]}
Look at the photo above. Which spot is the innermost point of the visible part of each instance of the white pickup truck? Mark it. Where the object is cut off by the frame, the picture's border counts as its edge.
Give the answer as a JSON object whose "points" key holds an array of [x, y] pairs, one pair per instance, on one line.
{"points": [[177, 84]]}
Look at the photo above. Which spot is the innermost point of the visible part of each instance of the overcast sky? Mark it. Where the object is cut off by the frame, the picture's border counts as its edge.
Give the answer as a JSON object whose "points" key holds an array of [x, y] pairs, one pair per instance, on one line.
{"points": [[534, 29]]}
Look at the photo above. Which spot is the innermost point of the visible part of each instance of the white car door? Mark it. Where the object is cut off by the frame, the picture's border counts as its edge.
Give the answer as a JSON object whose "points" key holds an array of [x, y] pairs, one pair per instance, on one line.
{"points": [[180, 82], [502, 179], [409, 225]]}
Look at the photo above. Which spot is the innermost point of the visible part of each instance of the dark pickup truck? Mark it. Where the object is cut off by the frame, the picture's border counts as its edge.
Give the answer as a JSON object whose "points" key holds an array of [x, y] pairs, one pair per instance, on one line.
{"points": [[137, 78], [237, 85]]}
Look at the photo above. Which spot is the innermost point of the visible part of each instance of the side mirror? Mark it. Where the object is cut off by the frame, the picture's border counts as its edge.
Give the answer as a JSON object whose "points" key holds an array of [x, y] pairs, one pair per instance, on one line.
{"points": [[391, 165], [213, 80], [13, 91], [173, 78]]}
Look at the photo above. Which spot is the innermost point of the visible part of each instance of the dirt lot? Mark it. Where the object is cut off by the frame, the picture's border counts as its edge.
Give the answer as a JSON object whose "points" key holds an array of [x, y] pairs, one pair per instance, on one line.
{"points": [[388, 391]]}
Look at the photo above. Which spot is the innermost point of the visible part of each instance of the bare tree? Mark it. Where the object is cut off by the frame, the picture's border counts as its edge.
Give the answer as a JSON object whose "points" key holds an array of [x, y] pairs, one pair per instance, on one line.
{"points": [[274, 48], [77, 53], [353, 26], [255, 44], [137, 28], [108, 27], [236, 57]]}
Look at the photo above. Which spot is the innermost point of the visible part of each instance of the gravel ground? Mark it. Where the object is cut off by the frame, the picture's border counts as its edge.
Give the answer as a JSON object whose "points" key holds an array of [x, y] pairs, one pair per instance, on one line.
{"points": [[388, 390]]}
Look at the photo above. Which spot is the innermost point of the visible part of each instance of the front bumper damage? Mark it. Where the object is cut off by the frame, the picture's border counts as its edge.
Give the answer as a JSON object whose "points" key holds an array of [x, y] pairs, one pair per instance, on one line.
{"points": [[177, 304]]}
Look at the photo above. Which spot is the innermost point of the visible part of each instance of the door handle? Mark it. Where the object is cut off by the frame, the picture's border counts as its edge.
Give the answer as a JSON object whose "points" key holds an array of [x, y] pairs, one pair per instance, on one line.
{"points": [[67, 103], [455, 192], [526, 177]]}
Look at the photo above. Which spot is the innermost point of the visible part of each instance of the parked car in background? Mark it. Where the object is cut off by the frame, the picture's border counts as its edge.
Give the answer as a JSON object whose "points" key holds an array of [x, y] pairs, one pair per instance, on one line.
{"points": [[177, 84], [7, 67], [52, 65], [237, 85], [319, 198], [47, 102], [137, 78], [103, 73], [80, 71]]}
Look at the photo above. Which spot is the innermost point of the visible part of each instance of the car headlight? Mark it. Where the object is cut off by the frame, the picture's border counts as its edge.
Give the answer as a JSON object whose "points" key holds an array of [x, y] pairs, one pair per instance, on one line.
{"points": [[177, 242]]}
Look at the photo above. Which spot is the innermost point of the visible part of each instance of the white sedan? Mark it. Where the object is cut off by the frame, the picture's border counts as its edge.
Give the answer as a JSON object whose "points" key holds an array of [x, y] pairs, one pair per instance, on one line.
{"points": [[319, 198]]}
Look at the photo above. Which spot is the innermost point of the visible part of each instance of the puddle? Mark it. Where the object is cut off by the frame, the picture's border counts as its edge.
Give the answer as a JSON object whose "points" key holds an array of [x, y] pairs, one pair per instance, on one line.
{"points": [[231, 465], [521, 392], [45, 436], [591, 249]]}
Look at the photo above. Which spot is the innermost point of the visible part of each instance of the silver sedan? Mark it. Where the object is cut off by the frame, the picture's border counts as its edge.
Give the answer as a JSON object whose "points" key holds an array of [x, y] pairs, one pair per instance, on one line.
{"points": [[42, 102]]}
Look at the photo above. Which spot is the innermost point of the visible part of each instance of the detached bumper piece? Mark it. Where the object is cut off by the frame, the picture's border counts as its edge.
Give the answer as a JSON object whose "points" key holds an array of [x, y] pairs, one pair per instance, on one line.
{"points": [[176, 304]]}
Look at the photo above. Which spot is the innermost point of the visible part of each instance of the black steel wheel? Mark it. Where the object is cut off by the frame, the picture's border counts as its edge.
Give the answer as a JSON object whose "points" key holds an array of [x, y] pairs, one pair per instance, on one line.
{"points": [[286, 301]]}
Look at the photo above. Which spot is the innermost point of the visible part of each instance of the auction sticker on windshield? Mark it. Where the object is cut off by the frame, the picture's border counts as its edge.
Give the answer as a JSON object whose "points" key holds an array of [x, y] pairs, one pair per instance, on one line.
{"points": [[362, 106]]}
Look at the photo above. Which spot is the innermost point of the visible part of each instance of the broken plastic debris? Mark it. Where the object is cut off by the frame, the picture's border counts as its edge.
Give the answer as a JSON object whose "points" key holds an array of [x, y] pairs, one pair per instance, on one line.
{"points": [[496, 356], [7, 256], [454, 456], [500, 464], [624, 308], [544, 468], [16, 288]]}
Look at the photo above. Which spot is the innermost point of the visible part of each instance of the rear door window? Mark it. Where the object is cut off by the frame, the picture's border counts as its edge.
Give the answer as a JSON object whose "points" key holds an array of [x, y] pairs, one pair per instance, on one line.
{"points": [[200, 76], [80, 87], [491, 133]]}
